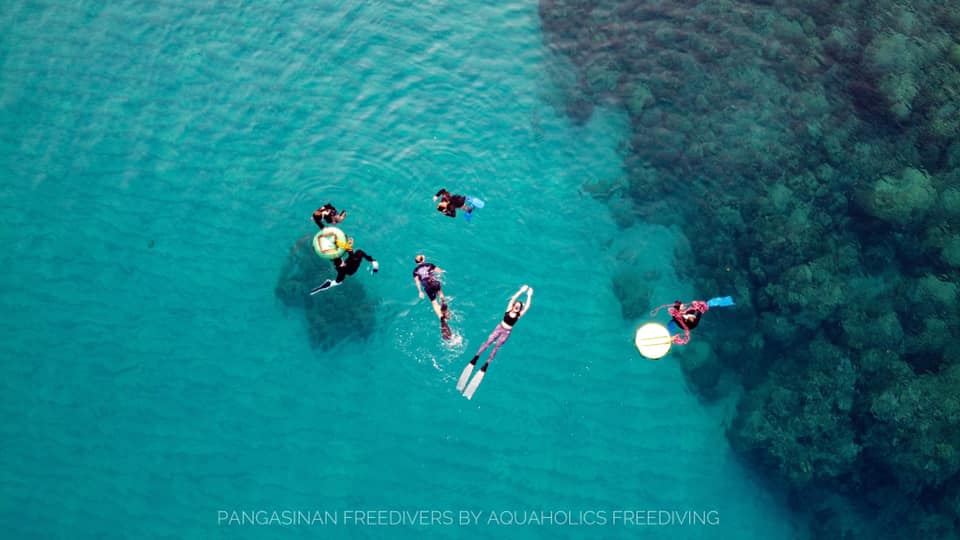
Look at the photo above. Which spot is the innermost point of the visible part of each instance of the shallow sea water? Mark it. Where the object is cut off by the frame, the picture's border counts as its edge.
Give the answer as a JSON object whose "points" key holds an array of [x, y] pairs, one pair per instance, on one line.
{"points": [[159, 160]]}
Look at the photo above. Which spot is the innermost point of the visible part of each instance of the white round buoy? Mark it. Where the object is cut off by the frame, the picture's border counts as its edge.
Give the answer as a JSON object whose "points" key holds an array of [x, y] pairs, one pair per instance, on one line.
{"points": [[653, 340]]}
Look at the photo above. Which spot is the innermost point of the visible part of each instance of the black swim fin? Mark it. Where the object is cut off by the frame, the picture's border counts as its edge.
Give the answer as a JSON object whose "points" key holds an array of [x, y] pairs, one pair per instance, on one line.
{"points": [[445, 331]]}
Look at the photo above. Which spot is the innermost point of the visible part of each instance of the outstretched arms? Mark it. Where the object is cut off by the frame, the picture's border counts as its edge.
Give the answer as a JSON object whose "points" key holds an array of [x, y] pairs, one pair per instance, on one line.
{"points": [[513, 298], [526, 305]]}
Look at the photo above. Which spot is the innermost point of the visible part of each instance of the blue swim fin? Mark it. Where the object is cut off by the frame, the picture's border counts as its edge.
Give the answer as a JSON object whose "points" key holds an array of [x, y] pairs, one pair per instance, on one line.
{"points": [[721, 301]]}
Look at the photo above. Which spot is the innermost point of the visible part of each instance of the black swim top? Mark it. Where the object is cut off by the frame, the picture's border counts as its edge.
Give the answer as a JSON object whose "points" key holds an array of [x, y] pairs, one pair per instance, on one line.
{"points": [[510, 321]]}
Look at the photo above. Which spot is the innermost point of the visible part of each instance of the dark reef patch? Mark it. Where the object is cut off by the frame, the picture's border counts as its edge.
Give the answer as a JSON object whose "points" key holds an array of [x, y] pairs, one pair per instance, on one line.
{"points": [[338, 315], [811, 150]]}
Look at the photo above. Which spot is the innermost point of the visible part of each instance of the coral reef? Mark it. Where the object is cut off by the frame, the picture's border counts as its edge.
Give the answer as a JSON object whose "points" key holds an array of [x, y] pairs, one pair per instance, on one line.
{"points": [[338, 315], [809, 151], [702, 369], [914, 430], [901, 200], [799, 422]]}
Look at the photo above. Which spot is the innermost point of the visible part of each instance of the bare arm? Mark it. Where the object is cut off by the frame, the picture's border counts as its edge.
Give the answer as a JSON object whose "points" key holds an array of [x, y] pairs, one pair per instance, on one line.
{"points": [[526, 305], [513, 298], [416, 280]]}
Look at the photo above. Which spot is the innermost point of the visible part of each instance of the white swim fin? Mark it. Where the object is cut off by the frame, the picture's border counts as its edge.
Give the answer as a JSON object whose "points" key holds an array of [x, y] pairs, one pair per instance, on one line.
{"points": [[475, 382], [465, 376]]}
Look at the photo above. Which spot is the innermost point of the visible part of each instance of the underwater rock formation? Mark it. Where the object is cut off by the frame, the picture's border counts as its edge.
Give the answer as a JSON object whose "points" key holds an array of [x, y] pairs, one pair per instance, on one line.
{"points": [[799, 422], [702, 369], [902, 200], [337, 315], [810, 151]]}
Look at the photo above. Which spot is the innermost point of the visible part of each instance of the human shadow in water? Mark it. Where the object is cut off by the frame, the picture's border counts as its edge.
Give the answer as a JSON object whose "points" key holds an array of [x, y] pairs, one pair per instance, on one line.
{"points": [[342, 314]]}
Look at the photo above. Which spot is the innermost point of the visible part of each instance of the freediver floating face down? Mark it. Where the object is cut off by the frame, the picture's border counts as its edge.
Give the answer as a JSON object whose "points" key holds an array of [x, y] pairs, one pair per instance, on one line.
{"points": [[654, 340]]}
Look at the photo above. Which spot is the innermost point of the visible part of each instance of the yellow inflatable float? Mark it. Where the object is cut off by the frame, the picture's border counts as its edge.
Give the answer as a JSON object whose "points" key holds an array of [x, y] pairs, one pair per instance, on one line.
{"points": [[330, 243]]}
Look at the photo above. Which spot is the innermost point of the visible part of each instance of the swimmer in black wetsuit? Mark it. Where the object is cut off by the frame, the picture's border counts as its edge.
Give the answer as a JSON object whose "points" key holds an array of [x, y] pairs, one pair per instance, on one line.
{"points": [[348, 267], [685, 316], [449, 203], [329, 214]]}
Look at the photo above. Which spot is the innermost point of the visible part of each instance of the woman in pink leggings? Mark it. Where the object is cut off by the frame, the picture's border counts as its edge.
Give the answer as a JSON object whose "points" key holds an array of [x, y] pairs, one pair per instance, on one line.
{"points": [[498, 337]]}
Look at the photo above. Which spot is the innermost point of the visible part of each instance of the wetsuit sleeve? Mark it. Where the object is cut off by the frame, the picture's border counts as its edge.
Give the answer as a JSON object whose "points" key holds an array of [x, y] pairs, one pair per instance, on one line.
{"points": [[440, 193], [362, 253]]}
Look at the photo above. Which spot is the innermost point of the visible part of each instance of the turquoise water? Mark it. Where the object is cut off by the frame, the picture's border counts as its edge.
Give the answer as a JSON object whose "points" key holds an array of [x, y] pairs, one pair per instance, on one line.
{"points": [[159, 160]]}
